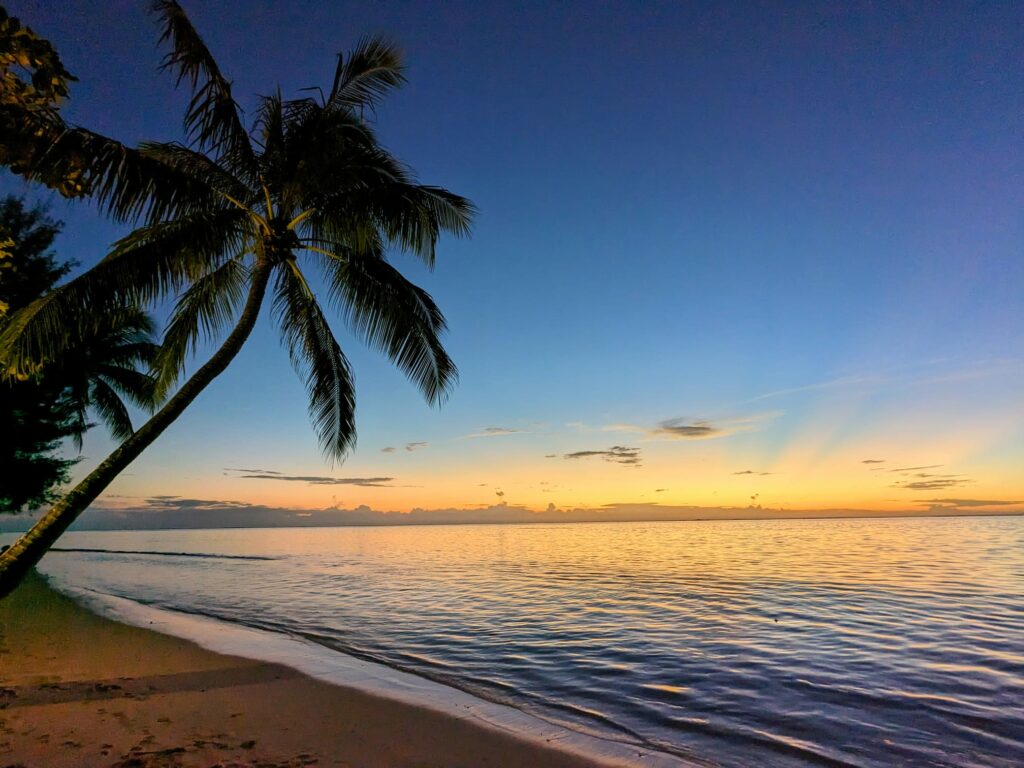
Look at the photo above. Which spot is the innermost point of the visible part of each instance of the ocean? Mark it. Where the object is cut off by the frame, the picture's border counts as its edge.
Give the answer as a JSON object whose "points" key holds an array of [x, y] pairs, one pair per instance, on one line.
{"points": [[859, 642]]}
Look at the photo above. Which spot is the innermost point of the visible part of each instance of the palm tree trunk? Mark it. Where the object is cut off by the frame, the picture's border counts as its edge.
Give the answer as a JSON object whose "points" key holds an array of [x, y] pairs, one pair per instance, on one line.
{"points": [[30, 548]]}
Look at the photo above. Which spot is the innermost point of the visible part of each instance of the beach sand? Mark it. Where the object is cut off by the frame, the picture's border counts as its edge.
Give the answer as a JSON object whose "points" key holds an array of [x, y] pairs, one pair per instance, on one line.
{"points": [[79, 690]]}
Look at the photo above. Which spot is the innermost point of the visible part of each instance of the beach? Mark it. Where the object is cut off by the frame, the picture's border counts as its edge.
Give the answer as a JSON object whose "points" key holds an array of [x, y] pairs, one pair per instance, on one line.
{"points": [[77, 689]]}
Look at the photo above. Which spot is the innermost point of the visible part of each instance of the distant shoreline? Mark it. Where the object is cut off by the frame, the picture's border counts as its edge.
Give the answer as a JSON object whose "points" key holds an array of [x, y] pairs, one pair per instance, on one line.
{"points": [[22, 523]]}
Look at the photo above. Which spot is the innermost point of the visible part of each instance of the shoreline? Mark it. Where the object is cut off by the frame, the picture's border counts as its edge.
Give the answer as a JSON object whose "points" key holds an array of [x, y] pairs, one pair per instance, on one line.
{"points": [[84, 685]]}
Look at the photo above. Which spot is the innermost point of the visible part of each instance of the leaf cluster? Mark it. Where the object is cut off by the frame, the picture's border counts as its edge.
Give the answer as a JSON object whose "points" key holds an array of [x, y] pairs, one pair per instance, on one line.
{"points": [[32, 76]]}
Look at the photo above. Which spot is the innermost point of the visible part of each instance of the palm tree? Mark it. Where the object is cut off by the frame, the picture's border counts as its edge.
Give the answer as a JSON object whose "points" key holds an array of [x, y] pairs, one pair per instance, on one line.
{"points": [[234, 214], [98, 375], [106, 368]]}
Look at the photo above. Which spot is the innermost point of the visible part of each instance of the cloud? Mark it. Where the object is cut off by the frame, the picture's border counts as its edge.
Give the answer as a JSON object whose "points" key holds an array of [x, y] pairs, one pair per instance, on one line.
{"points": [[752, 472], [178, 503], [908, 377], [660, 490], [957, 503], [694, 429], [550, 455], [410, 447], [845, 381], [618, 454], [369, 482], [678, 429], [938, 484], [914, 469], [260, 471], [388, 449], [499, 494], [873, 461], [494, 432]]}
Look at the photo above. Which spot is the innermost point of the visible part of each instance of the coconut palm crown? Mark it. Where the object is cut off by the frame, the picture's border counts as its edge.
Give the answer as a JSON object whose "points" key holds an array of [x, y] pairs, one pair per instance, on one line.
{"points": [[233, 213]]}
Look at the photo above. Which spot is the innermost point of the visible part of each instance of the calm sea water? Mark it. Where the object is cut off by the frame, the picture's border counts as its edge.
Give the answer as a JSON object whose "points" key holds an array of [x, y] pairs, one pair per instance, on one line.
{"points": [[772, 643]]}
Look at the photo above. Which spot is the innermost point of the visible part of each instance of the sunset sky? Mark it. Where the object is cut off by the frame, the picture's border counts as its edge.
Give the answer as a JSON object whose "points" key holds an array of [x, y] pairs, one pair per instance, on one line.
{"points": [[724, 256]]}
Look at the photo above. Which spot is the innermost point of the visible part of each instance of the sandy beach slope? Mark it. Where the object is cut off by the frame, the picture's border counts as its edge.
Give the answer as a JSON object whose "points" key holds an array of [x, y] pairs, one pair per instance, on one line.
{"points": [[80, 690]]}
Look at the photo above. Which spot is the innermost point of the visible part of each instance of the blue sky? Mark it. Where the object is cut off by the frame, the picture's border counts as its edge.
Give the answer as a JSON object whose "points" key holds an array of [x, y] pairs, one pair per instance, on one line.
{"points": [[683, 208]]}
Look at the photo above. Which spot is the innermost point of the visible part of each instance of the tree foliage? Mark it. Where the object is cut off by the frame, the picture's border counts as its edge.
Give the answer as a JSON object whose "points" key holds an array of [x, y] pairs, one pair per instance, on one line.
{"points": [[31, 73], [34, 414], [33, 83], [42, 406]]}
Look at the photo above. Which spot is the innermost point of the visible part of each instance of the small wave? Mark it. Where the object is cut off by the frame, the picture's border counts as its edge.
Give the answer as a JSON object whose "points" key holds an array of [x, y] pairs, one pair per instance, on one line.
{"points": [[162, 554]]}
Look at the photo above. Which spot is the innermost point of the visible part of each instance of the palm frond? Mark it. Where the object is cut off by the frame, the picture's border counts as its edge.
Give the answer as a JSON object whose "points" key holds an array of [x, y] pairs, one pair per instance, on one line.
{"points": [[111, 409], [126, 184], [317, 153], [163, 258], [354, 183], [413, 216], [339, 155], [144, 266], [270, 131], [366, 75], [392, 315], [318, 359], [79, 423], [203, 311], [197, 166], [138, 387], [101, 369], [212, 120]]}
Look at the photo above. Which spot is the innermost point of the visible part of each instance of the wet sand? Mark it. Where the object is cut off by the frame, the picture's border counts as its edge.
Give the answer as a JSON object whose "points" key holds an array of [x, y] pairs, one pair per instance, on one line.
{"points": [[77, 689]]}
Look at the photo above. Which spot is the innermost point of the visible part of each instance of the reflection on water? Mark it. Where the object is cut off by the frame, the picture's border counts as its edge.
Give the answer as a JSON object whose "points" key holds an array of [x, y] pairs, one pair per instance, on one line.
{"points": [[839, 642]]}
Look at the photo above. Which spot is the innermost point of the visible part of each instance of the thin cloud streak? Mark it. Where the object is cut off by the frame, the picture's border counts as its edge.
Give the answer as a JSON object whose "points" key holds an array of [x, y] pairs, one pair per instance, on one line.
{"points": [[933, 485], [617, 454], [494, 432], [965, 503], [978, 369], [844, 381], [366, 482]]}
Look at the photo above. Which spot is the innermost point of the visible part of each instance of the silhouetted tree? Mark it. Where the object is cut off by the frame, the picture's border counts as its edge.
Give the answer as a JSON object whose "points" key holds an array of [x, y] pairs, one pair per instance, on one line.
{"points": [[50, 401], [35, 417]]}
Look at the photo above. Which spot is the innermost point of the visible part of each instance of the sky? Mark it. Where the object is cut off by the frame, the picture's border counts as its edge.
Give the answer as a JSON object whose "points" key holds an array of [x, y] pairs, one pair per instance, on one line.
{"points": [[727, 255]]}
